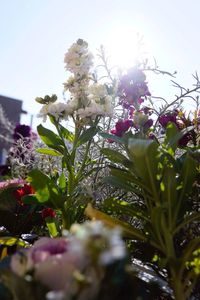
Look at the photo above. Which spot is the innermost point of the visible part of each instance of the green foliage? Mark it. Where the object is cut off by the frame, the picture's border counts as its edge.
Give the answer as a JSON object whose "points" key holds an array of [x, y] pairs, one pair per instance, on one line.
{"points": [[11, 241], [52, 226], [87, 135], [66, 134], [47, 191], [51, 139], [48, 151], [164, 182]]}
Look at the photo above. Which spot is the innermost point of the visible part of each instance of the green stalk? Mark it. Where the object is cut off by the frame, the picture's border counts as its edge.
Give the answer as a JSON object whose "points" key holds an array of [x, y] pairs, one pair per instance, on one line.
{"points": [[65, 220], [65, 147], [78, 176], [76, 137], [177, 286]]}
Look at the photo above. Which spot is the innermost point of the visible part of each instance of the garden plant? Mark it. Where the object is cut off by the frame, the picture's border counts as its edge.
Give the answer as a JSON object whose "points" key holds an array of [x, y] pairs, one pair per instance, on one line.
{"points": [[106, 204]]}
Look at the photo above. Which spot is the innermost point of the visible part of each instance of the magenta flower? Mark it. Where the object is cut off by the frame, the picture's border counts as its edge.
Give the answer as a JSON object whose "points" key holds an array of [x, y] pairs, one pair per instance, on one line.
{"points": [[133, 88], [121, 127], [179, 119], [148, 124], [165, 119]]}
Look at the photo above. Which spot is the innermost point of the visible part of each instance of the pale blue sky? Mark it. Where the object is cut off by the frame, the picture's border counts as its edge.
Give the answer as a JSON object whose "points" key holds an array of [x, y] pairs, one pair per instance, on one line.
{"points": [[35, 34]]}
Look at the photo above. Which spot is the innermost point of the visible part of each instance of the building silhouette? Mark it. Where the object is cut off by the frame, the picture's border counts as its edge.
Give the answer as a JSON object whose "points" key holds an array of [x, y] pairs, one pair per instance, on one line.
{"points": [[10, 113]]}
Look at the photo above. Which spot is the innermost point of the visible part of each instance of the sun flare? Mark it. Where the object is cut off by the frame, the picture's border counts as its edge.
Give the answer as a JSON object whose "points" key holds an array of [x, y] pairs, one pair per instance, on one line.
{"points": [[124, 45]]}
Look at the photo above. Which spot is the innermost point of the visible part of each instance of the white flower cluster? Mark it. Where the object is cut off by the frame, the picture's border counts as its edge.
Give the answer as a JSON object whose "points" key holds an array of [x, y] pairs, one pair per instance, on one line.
{"points": [[87, 100], [99, 103], [59, 110], [78, 59]]}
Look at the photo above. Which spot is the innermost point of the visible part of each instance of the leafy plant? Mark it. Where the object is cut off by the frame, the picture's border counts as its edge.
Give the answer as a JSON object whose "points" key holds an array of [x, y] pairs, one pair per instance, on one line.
{"points": [[164, 182]]}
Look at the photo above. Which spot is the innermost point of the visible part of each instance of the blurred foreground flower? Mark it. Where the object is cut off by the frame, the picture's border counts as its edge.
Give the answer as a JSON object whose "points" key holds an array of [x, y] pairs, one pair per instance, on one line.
{"points": [[74, 263]]}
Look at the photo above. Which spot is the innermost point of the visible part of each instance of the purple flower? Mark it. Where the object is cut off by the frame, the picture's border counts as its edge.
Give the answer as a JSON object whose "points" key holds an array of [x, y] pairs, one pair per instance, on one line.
{"points": [[185, 139], [152, 136], [21, 131], [132, 88], [179, 119], [165, 119], [148, 124]]}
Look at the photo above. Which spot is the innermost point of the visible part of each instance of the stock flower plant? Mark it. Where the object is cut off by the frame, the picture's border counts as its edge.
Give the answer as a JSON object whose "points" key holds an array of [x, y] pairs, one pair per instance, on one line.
{"points": [[126, 164]]}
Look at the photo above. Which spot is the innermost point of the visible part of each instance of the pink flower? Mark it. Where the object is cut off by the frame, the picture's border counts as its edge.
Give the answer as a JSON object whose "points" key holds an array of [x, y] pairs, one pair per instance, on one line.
{"points": [[11, 183], [53, 261]]}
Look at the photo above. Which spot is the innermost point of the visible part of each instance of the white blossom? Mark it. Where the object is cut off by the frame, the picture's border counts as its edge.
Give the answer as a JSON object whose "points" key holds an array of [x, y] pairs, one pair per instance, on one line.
{"points": [[97, 92], [58, 110], [78, 59]]}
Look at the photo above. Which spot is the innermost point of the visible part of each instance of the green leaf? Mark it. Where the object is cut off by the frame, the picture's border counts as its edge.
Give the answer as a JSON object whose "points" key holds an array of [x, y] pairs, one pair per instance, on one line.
{"points": [[188, 253], [176, 135], [48, 151], [119, 183], [53, 120], [169, 192], [144, 154], [30, 199], [187, 176], [46, 189], [125, 208], [40, 182], [188, 172], [129, 178], [62, 181], [156, 228], [87, 135], [172, 135], [68, 135], [11, 241], [51, 225], [51, 139], [115, 156]]}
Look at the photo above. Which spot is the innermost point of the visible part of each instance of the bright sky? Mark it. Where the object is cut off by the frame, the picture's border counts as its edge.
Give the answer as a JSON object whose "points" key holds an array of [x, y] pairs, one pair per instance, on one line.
{"points": [[35, 34]]}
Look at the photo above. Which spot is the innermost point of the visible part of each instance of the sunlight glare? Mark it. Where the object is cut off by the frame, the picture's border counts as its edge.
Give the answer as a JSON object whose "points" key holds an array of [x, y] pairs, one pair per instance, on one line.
{"points": [[124, 46]]}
